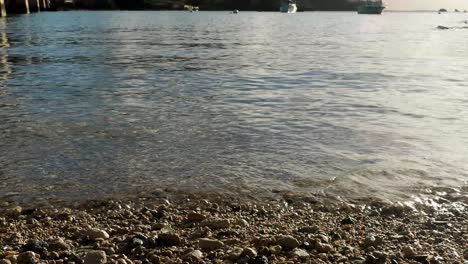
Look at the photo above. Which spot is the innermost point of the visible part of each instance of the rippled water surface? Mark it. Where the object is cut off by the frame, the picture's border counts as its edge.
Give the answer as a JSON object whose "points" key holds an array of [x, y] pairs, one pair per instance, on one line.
{"points": [[96, 104]]}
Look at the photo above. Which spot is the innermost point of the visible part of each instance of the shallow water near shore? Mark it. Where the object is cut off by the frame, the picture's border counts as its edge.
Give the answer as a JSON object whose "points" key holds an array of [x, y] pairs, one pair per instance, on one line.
{"points": [[108, 104]]}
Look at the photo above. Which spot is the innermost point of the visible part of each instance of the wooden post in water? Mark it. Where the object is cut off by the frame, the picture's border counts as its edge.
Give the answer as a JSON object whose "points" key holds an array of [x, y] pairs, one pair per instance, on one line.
{"points": [[43, 4], [2, 8], [17, 6], [34, 6]]}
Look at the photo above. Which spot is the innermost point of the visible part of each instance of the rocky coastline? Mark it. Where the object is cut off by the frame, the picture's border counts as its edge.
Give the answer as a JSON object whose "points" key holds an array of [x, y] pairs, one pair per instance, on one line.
{"points": [[216, 229]]}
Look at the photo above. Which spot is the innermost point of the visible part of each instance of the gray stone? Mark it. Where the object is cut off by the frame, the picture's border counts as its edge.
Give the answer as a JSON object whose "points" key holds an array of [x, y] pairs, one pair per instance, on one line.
{"points": [[372, 241], [169, 239], [195, 217], [252, 253], [209, 244], [241, 222], [194, 254], [275, 250], [235, 254], [28, 257], [288, 242], [95, 257], [216, 223], [95, 234], [408, 252], [323, 248], [14, 211], [300, 253], [58, 245]]}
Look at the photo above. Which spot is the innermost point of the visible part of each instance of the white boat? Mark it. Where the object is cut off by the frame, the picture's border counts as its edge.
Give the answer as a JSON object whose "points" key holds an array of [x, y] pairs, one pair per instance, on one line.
{"points": [[288, 6]]}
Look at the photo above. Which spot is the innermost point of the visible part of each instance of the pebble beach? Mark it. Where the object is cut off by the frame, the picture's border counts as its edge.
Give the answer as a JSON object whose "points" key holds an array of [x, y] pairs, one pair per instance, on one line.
{"points": [[194, 229]]}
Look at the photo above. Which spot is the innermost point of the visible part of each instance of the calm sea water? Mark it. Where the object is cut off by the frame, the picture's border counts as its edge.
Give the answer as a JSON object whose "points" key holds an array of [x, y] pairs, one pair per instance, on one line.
{"points": [[98, 104]]}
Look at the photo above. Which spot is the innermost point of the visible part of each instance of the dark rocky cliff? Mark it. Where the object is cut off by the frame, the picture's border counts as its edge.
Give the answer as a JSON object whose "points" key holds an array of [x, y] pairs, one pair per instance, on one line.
{"points": [[257, 5]]}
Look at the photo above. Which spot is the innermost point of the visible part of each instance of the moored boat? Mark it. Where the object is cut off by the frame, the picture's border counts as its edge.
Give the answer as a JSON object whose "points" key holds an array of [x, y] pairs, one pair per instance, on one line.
{"points": [[371, 7], [288, 6]]}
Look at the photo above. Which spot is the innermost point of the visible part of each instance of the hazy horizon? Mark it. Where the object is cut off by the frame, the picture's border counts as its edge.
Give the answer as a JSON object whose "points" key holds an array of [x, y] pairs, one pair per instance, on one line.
{"points": [[426, 4]]}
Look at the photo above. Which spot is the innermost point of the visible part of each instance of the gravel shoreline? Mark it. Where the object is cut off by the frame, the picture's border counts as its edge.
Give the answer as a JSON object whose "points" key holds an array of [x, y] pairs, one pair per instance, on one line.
{"points": [[193, 229]]}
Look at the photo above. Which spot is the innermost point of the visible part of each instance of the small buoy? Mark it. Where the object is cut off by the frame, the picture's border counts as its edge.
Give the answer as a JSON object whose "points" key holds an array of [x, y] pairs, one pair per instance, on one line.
{"points": [[235, 11]]}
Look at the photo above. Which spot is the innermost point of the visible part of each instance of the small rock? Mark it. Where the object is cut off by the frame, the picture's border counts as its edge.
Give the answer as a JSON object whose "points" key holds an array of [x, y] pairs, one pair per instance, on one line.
{"points": [[5, 261], [348, 221], [372, 241], [169, 239], [141, 237], [275, 250], [73, 257], [436, 260], [95, 234], [13, 259], [95, 257], [323, 238], [323, 248], [135, 242], [235, 254], [209, 244], [309, 229], [58, 245], [216, 223], [39, 247], [33, 222], [421, 258], [300, 254], [370, 259], [380, 257], [408, 252], [241, 222], [28, 257], [323, 256], [249, 252], [288, 242], [195, 217], [167, 229], [193, 255], [259, 260], [14, 211]]}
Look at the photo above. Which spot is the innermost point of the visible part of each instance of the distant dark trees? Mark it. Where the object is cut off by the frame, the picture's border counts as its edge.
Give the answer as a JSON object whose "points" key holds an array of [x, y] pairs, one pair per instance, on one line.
{"points": [[258, 5]]}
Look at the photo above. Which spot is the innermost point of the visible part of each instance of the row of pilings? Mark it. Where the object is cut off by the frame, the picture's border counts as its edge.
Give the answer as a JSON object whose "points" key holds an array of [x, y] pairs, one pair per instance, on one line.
{"points": [[23, 6]]}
